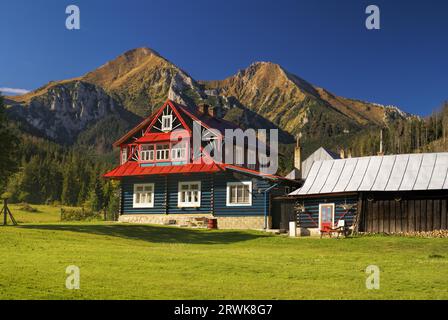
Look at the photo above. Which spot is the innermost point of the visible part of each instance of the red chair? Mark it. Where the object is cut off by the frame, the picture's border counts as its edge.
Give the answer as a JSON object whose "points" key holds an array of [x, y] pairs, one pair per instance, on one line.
{"points": [[326, 228]]}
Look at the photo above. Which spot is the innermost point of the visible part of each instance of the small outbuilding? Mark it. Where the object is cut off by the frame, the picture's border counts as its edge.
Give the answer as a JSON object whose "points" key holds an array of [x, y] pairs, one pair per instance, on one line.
{"points": [[377, 194]]}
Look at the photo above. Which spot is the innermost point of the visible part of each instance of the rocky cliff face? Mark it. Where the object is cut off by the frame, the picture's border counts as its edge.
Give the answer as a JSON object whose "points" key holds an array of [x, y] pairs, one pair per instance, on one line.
{"points": [[142, 80], [296, 105], [66, 109]]}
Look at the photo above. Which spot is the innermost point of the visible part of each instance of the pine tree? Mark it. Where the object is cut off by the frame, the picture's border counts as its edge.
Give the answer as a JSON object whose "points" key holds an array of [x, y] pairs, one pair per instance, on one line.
{"points": [[70, 186], [8, 145], [96, 199]]}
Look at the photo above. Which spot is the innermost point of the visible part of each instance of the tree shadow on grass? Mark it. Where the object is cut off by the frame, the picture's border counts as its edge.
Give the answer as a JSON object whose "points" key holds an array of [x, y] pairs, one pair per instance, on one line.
{"points": [[153, 233]]}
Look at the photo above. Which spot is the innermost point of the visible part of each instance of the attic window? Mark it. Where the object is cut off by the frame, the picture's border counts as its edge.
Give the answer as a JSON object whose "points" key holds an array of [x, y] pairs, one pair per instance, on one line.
{"points": [[167, 123]]}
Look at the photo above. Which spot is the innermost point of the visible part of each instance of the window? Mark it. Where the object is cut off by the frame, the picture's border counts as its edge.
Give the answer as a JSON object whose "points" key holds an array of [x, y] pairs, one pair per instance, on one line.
{"points": [[147, 152], [179, 152], [189, 194], [239, 193], [144, 195], [167, 123], [124, 155], [163, 152]]}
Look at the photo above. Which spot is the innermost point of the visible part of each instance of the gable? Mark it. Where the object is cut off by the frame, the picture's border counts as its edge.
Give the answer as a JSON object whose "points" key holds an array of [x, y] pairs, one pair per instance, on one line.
{"points": [[151, 123], [167, 119], [318, 155]]}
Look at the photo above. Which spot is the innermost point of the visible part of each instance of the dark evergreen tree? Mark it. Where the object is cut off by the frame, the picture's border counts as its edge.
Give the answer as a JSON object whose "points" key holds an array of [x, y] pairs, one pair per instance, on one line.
{"points": [[8, 145]]}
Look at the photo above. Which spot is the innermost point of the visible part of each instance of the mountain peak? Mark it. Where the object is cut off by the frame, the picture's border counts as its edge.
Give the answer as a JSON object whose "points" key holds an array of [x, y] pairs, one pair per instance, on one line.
{"points": [[140, 52], [263, 66]]}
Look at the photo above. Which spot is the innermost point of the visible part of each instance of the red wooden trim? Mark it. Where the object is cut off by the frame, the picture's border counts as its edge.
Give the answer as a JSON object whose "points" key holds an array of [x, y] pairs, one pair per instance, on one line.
{"points": [[133, 131], [182, 121], [202, 123], [159, 112], [151, 124]]}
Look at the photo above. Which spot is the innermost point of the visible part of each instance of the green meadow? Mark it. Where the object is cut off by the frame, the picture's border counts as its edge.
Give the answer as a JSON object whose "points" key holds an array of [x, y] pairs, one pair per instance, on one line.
{"points": [[121, 261]]}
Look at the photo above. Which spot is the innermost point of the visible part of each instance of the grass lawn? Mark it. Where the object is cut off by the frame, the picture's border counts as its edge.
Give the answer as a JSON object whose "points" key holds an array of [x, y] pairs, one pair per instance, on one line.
{"points": [[119, 261], [44, 214]]}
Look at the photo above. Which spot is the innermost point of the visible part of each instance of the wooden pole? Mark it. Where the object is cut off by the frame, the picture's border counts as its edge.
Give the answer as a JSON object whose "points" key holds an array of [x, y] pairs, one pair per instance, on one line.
{"points": [[7, 212], [5, 220]]}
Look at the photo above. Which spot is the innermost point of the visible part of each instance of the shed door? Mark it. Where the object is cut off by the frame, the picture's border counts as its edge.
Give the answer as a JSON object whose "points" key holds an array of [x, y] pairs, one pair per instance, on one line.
{"points": [[326, 215]]}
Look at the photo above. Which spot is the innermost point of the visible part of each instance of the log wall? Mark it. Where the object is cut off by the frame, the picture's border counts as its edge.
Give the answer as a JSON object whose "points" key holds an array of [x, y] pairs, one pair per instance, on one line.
{"points": [[386, 212]]}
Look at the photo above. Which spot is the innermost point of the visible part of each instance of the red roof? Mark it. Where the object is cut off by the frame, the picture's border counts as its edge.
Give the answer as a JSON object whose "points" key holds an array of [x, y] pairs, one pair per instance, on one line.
{"points": [[166, 136], [132, 169]]}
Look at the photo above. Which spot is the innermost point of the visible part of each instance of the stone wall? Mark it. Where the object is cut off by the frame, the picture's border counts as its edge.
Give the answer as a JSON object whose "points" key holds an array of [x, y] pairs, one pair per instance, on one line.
{"points": [[255, 223], [242, 222]]}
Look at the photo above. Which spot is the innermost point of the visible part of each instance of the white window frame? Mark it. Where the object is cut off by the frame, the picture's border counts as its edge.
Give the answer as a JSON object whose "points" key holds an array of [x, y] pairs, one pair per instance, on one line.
{"points": [[170, 118], [190, 204], [165, 152], [146, 204], [230, 184], [124, 155], [149, 153], [182, 147]]}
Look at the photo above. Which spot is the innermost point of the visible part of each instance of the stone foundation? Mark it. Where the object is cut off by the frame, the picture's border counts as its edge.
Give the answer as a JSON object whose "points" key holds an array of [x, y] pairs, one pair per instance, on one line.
{"points": [[254, 223], [244, 222], [305, 232]]}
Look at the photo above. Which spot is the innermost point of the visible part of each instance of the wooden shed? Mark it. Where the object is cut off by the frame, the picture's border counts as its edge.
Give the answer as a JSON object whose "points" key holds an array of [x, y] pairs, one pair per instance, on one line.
{"points": [[390, 194]]}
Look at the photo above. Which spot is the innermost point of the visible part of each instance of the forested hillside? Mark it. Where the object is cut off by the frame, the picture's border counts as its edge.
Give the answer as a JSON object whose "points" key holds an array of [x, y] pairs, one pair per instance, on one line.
{"points": [[53, 174], [35, 170]]}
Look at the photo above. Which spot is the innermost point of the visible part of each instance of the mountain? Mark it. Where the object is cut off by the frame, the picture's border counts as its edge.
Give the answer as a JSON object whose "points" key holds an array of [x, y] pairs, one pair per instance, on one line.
{"points": [[142, 80], [296, 105], [264, 95], [62, 111]]}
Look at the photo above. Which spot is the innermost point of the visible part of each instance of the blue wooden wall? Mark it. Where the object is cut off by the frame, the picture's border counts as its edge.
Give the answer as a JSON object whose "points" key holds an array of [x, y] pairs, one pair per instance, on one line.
{"points": [[311, 218], [166, 192], [258, 200]]}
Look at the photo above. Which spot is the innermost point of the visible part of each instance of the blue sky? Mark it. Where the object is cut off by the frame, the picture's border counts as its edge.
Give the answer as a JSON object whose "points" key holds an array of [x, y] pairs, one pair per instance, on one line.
{"points": [[323, 41]]}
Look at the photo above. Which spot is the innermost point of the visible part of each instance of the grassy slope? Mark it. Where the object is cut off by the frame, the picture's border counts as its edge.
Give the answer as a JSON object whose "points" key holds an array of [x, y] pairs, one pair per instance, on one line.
{"points": [[44, 214], [152, 262]]}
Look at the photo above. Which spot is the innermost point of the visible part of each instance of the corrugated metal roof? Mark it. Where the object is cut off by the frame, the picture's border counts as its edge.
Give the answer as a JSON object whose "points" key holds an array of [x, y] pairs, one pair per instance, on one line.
{"points": [[405, 172], [133, 168], [163, 136]]}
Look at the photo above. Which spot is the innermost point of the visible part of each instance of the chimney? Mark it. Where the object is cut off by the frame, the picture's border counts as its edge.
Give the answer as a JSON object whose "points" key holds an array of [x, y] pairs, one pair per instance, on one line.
{"points": [[342, 153], [298, 155]]}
